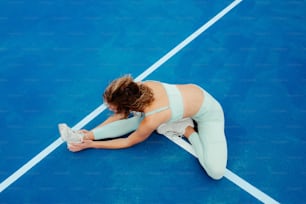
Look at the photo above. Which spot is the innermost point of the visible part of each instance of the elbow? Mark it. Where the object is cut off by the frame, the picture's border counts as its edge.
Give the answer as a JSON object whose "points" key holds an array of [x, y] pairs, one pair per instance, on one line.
{"points": [[127, 144]]}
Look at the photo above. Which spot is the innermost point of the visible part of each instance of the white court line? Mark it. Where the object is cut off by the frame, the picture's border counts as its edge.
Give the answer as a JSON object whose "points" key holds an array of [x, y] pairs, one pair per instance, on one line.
{"points": [[231, 176]]}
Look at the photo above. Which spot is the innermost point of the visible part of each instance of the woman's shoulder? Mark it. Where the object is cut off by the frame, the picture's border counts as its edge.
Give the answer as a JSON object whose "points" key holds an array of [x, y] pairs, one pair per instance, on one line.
{"points": [[150, 82], [151, 122], [154, 82]]}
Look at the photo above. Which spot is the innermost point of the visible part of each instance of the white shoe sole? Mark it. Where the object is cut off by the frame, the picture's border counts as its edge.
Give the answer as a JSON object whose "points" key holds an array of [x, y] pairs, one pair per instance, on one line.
{"points": [[62, 127]]}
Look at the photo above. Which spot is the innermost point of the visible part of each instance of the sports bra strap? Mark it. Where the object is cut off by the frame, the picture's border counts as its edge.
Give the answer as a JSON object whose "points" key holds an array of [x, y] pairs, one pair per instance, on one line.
{"points": [[156, 111]]}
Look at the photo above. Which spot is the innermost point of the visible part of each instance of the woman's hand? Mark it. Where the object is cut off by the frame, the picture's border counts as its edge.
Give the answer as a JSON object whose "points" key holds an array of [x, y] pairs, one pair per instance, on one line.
{"points": [[76, 147]]}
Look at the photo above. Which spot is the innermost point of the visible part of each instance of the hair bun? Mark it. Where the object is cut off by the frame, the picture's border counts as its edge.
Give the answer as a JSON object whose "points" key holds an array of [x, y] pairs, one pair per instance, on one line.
{"points": [[132, 89]]}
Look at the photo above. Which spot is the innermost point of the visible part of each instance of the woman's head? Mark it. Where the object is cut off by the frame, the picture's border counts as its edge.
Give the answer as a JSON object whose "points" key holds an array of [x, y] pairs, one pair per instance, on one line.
{"points": [[126, 95]]}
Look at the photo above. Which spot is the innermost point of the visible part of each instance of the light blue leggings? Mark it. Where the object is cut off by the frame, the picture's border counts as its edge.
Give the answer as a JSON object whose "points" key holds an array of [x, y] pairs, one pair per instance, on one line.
{"points": [[117, 128], [210, 142]]}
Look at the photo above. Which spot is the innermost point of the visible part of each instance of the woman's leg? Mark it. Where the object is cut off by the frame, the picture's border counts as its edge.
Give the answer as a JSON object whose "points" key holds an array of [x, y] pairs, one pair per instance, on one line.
{"points": [[210, 142], [115, 129], [211, 148]]}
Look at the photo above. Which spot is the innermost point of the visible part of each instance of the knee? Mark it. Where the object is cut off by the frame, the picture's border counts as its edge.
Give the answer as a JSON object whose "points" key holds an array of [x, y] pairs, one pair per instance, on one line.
{"points": [[215, 173], [214, 168]]}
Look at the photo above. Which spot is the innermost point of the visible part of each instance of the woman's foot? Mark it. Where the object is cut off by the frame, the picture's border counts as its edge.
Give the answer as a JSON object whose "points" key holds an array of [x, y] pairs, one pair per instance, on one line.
{"points": [[69, 135], [176, 128]]}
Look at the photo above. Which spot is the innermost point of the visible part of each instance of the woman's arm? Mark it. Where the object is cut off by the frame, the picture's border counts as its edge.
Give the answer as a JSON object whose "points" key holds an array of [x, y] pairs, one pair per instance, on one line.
{"points": [[118, 143], [138, 136]]}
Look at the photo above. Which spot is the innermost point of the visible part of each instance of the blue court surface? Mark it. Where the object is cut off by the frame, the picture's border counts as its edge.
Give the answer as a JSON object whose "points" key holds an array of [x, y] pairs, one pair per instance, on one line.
{"points": [[56, 58]]}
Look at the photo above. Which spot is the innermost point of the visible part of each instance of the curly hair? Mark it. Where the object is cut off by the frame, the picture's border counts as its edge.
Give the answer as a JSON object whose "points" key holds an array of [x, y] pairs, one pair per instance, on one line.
{"points": [[128, 95]]}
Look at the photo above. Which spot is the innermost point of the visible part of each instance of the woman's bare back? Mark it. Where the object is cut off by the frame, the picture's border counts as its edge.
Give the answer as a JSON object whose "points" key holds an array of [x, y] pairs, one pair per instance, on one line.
{"points": [[192, 97]]}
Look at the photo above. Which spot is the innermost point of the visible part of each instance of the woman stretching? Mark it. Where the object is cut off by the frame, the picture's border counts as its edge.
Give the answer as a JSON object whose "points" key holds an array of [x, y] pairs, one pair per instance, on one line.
{"points": [[159, 106]]}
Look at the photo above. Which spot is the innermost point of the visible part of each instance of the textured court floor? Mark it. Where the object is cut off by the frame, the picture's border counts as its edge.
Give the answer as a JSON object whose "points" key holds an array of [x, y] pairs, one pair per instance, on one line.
{"points": [[57, 57]]}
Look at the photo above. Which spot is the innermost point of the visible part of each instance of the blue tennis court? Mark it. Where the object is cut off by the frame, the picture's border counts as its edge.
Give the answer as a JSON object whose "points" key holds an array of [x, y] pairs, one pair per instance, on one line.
{"points": [[58, 56]]}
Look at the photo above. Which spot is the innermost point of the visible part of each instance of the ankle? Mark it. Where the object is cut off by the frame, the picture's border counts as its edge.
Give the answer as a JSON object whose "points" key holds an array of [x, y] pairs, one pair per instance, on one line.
{"points": [[189, 131], [88, 136]]}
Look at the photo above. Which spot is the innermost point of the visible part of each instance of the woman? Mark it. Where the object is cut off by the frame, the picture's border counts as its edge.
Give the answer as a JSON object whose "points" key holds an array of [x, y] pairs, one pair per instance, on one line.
{"points": [[162, 104]]}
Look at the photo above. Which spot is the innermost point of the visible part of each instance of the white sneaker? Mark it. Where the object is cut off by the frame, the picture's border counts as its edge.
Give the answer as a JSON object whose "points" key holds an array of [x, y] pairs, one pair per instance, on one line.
{"points": [[176, 128], [69, 135]]}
